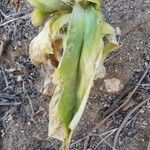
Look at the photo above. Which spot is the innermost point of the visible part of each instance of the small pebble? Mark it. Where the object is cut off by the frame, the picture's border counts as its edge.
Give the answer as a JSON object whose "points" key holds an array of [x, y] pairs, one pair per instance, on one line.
{"points": [[19, 43], [2, 133], [9, 118], [29, 123], [17, 124], [19, 78], [145, 123], [22, 131]]}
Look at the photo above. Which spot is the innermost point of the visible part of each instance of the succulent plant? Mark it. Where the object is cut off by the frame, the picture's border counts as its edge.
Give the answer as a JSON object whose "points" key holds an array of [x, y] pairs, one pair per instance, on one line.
{"points": [[76, 40]]}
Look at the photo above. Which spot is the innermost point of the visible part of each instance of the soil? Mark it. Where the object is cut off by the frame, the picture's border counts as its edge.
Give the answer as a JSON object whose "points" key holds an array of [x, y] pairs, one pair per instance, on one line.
{"points": [[24, 110]]}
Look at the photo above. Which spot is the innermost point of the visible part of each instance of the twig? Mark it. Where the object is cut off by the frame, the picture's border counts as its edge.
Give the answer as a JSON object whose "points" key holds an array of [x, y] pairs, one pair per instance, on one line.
{"points": [[14, 15], [5, 116], [22, 17], [78, 141], [5, 77], [31, 105], [147, 84], [103, 139], [114, 55], [121, 106], [127, 118], [105, 133], [148, 147], [103, 121], [108, 144], [4, 44], [28, 97], [134, 118], [3, 13], [86, 142], [31, 117], [9, 104], [10, 15], [28, 113], [8, 97], [120, 97]]}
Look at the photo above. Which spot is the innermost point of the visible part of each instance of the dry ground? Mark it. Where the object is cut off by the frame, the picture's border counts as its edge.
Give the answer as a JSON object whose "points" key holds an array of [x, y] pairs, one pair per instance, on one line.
{"points": [[24, 111]]}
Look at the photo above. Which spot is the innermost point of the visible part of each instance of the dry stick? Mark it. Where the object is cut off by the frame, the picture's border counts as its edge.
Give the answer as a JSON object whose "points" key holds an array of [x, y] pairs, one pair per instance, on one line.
{"points": [[4, 44], [78, 141], [103, 139], [6, 114], [121, 106], [115, 104], [30, 115], [148, 147], [9, 104], [31, 105], [105, 133], [10, 15], [28, 97], [3, 13], [8, 97], [127, 118], [147, 84], [103, 121], [22, 17], [134, 118], [109, 144], [114, 55], [5, 77], [14, 15]]}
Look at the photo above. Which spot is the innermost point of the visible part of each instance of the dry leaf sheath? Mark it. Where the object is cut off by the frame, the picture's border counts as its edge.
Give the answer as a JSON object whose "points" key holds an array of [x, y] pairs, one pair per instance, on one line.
{"points": [[77, 40]]}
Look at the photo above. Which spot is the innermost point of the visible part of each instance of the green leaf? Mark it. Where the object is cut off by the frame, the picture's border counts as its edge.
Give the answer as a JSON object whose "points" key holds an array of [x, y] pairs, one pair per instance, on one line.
{"points": [[66, 77], [110, 34], [90, 57], [81, 63], [38, 17], [50, 6], [59, 21]]}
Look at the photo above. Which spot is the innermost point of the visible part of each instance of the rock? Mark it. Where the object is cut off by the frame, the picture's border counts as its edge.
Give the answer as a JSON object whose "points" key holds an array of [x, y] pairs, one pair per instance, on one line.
{"points": [[19, 78], [113, 85], [29, 123]]}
